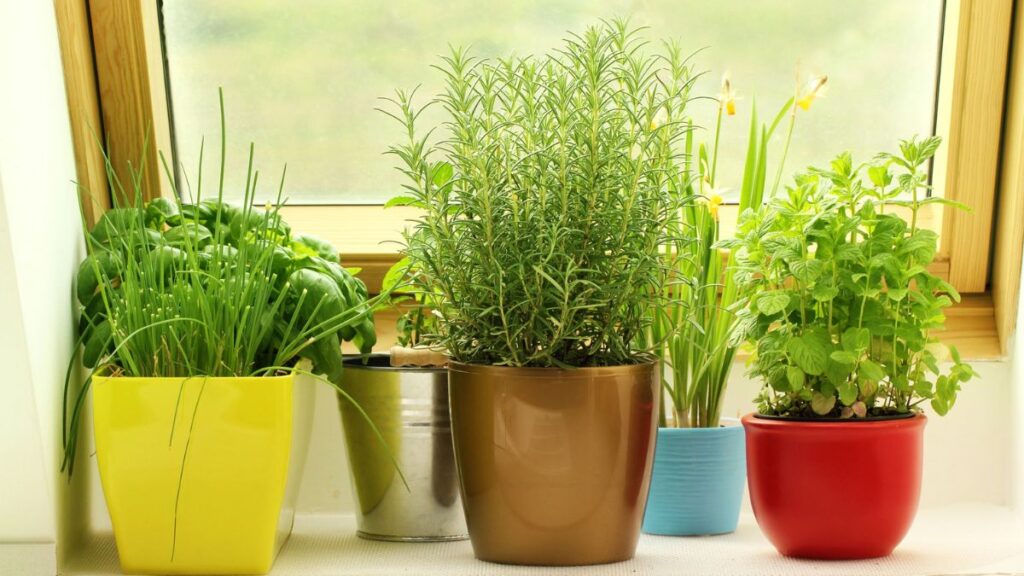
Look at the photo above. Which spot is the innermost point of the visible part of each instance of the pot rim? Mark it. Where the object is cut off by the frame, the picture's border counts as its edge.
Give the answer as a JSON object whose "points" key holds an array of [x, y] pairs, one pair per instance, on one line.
{"points": [[752, 420], [553, 373], [725, 426], [97, 378], [722, 431], [355, 362]]}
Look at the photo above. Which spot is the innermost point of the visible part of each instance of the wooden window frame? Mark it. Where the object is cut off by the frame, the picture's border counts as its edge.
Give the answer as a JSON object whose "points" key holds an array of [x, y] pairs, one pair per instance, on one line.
{"points": [[127, 99]]}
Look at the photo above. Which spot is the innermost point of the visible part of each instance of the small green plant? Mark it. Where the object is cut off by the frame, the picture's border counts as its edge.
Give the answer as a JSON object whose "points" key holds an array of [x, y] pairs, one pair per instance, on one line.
{"points": [[548, 200], [699, 315], [841, 304], [415, 326], [209, 289]]}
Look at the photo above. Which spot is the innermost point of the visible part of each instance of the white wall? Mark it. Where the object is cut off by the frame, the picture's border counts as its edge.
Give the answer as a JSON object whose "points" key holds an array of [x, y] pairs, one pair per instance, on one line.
{"points": [[39, 249], [1014, 424]]}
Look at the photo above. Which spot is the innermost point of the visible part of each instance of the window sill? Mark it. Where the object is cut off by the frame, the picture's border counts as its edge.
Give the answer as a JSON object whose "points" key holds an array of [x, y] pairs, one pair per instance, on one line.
{"points": [[970, 326], [962, 539], [369, 236]]}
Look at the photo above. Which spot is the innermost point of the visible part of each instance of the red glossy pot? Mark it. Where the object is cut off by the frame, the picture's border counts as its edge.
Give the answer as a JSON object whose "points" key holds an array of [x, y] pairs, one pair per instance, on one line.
{"points": [[837, 489]]}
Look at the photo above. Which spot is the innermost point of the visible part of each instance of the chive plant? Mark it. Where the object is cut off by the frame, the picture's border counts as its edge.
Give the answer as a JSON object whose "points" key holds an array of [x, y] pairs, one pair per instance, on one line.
{"points": [[174, 289], [547, 198]]}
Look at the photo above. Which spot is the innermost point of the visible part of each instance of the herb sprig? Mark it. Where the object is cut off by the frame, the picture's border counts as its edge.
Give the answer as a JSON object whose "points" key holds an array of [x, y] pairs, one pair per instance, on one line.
{"points": [[548, 199], [841, 302]]}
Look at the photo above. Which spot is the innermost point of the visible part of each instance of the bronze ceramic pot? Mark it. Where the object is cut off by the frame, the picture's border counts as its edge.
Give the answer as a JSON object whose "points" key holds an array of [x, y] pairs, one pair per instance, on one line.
{"points": [[554, 465]]}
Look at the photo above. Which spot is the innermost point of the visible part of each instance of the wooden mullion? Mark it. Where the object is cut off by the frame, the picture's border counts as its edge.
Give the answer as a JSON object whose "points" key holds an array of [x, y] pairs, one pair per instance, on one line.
{"points": [[126, 41], [1010, 217], [973, 143], [83, 104]]}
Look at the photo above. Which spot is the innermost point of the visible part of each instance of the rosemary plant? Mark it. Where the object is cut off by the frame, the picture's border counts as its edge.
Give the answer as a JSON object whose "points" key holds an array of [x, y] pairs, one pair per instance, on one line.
{"points": [[548, 200]]}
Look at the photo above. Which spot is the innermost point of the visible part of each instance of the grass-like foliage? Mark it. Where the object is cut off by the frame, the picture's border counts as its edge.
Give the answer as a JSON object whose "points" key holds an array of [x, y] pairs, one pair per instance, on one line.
{"points": [[841, 303], [206, 288], [701, 315], [548, 195]]}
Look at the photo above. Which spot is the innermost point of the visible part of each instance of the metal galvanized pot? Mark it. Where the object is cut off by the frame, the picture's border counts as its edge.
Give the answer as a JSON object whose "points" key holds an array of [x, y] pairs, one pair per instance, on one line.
{"points": [[697, 486], [409, 406], [554, 465]]}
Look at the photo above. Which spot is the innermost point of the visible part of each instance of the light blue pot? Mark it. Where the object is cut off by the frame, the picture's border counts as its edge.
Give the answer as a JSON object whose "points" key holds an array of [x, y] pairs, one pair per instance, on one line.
{"points": [[697, 483]]}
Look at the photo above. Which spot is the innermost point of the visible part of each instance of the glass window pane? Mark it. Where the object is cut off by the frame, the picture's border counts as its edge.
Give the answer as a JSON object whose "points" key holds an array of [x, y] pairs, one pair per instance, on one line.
{"points": [[301, 79]]}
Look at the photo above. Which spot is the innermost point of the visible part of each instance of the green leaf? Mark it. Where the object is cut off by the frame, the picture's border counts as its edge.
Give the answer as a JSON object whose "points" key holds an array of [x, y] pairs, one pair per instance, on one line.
{"points": [[821, 404], [403, 201], [97, 268], [847, 252], [824, 292], [836, 373], [442, 173], [901, 383], [921, 246], [806, 271], [99, 343], [395, 275], [923, 388], [868, 388], [809, 353], [897, 294], [769, 303], [871, 371], [848, 393], [318, 246], [880, 176], [189, 233], [159, 211], [844, 357], [795, 376], [118, 223], [856, 339]]}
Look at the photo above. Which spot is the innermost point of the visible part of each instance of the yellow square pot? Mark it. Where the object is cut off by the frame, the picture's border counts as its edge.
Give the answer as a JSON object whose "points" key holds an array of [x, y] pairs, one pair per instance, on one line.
{"points": [[200, 474]]}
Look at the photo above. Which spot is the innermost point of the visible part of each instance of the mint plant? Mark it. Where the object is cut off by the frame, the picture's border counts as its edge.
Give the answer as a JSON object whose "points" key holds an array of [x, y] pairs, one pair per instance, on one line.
{"points": [[840, 302]]}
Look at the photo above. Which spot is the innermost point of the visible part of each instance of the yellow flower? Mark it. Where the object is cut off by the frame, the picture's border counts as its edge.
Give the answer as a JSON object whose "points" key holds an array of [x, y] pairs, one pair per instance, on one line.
{"points": [[712, 197], [814, 89], [727, 97], [713, 203]]}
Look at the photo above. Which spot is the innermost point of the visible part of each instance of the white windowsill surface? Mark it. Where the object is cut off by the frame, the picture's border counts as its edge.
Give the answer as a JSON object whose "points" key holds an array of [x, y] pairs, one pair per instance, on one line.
{"points": [[961, 539]]}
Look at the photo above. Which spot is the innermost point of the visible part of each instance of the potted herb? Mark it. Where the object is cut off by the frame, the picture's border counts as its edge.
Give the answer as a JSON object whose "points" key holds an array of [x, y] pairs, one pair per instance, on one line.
{"points": [[405, 396], [194, 317], [545, 207], [841, 309], [700, 464]]}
